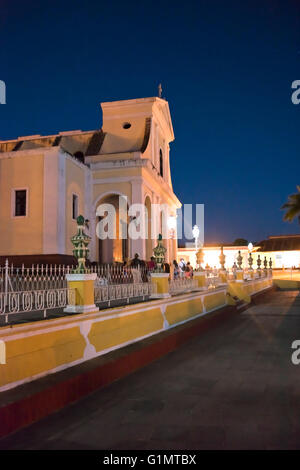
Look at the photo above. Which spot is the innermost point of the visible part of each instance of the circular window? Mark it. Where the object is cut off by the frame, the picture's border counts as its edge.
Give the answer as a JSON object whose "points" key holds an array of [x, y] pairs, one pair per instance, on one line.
{"points": [[126, 125]]}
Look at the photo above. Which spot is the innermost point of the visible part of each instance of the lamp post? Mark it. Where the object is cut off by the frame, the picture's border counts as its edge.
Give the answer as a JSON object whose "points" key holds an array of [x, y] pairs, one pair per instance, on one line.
{"points": [[172, 225], [196, 233]]}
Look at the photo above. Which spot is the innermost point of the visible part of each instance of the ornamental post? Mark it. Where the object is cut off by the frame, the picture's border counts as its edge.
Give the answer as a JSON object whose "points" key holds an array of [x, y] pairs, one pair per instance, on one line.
{"points": [[199, 273], [265, 266], [258, 262], [159, 278], [270, 267], [239, 271], [80, 279], [222, 272], [250, 263]]}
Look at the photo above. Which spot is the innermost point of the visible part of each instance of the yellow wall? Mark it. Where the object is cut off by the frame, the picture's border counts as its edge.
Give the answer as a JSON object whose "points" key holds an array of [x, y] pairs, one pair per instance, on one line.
{"points": [[119, 330], [21, 235], [75, 184], [32, 355], [181, 311], [41, 348], [105, 188]]}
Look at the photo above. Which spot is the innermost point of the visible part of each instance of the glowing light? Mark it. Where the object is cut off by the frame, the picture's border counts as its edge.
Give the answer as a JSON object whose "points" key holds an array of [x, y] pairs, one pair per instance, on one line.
{"points": [[172, 222], [196, 231]]}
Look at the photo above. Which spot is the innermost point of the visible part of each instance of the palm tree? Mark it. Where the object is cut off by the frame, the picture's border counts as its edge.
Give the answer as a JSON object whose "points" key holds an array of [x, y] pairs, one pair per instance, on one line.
{"points": [[292, 207]]}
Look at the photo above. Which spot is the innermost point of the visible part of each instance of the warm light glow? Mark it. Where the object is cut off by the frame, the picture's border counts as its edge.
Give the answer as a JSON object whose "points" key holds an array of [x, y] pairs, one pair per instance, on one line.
{"points": [[250, 246], [196, 231], [172, 222]]}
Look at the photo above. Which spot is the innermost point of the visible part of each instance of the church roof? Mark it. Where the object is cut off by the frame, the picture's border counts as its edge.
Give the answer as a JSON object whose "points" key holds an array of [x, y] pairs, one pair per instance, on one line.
{"points": [[280, 243], [88, 142]]}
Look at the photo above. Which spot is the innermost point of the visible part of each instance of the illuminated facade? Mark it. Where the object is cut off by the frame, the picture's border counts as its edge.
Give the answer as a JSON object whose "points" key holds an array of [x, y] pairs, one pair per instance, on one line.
{"points": [[212, 253], [284, 252], [45, 182]]}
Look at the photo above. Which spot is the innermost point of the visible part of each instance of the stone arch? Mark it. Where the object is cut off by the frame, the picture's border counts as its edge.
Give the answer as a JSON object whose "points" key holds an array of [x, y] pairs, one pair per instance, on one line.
{"points": [[117, 249]]}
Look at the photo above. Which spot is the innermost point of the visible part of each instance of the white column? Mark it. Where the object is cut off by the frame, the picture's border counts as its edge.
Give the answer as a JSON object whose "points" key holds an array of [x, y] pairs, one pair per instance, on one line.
{"points": [[156, 149], [137, 197], [61, 227], [153, 141], [88, 211], [153, 221]]}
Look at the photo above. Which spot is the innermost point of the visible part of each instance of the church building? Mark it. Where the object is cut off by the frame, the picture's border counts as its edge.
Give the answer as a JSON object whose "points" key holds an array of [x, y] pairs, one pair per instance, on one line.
{"points": [[47, 181]]}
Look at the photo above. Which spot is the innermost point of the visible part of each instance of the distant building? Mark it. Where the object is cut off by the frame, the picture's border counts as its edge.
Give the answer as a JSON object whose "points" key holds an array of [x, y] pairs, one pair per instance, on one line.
{"points": [[47, 181], [283, 250], [212, 253]]}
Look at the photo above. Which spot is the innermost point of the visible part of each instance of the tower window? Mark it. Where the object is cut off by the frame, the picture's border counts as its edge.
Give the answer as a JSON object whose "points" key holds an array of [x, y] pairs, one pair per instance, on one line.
{"points": [[126, 125], [79, 156], [20, 209], [161, 163], [74, 206]]}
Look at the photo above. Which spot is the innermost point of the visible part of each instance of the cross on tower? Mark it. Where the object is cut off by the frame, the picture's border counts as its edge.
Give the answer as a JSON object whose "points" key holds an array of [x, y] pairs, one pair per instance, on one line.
{"points": [[159, 90]]}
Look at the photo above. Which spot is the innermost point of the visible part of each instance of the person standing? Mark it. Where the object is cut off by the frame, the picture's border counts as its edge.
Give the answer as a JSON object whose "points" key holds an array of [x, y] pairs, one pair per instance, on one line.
{"points": [[181, 267], [176, 269]]}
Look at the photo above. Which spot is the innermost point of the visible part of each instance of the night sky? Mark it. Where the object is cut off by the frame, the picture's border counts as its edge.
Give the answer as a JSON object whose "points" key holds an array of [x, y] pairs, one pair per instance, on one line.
{"points": [[226, 68]]}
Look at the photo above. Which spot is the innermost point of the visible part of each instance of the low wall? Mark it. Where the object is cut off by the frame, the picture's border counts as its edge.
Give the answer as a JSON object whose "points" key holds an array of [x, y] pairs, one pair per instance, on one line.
{"points": [[37, 349], [289, 284]]}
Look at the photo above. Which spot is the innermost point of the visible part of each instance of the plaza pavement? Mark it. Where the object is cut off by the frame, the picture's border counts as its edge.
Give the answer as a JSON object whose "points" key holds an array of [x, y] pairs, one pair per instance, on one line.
{"points": [[233, 387]]}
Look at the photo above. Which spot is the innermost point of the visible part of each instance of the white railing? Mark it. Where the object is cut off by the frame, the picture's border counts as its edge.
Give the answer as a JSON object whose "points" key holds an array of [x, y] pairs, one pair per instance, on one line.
{"points": [[212, 281], [38, 300], [106, 293], [37, 277], [181, 285], [119, 274], [43, 277]]}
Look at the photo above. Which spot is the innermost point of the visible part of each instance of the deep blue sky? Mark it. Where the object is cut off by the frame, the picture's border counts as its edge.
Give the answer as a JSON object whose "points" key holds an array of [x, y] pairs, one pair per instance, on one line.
{"points": [[226, 68]]}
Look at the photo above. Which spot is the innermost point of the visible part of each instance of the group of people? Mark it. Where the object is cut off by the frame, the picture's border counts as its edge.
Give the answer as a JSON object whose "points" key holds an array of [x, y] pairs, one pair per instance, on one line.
{"points": [[183, 269], [176, 270]]}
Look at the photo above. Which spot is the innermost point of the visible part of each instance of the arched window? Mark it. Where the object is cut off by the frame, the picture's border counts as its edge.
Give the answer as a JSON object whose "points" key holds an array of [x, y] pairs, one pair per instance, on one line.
{"points": [[161, 163]]}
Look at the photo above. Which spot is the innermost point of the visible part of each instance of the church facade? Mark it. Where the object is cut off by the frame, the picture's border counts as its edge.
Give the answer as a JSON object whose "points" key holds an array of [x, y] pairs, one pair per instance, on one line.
{"points": [[47, 181]]}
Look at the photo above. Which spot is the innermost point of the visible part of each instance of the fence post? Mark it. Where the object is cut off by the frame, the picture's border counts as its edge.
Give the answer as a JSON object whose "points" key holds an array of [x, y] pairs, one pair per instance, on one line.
{"points": [[200, 277], [81, 279], [158, 277], [239, 271], [6, 284], [161, 280], [84, 293]]}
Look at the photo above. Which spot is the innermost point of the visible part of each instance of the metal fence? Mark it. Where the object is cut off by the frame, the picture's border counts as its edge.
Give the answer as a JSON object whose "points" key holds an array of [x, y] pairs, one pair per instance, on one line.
{"points": [[119, 274], [212, 281], [33, 301], [43, 277], [42, 288], [181, 285], [123, 292], [37, 277]]}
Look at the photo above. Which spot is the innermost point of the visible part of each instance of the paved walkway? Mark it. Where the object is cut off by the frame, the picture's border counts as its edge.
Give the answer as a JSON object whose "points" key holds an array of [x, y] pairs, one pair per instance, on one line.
{"points": [[234, 387]]}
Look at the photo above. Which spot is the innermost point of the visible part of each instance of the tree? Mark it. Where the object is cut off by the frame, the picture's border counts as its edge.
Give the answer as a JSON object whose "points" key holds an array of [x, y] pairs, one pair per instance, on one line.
{"points": [[292, 207], [240, 242]]}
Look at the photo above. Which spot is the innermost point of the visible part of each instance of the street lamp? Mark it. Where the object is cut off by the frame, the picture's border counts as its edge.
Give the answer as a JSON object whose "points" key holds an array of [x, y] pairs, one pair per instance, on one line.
{"points": [[196, 233], [172, 224], [250, 259]]}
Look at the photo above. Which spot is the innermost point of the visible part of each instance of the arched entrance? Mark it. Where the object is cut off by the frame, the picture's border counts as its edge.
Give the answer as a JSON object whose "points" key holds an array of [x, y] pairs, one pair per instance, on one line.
{"points": [[112, 249]]}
